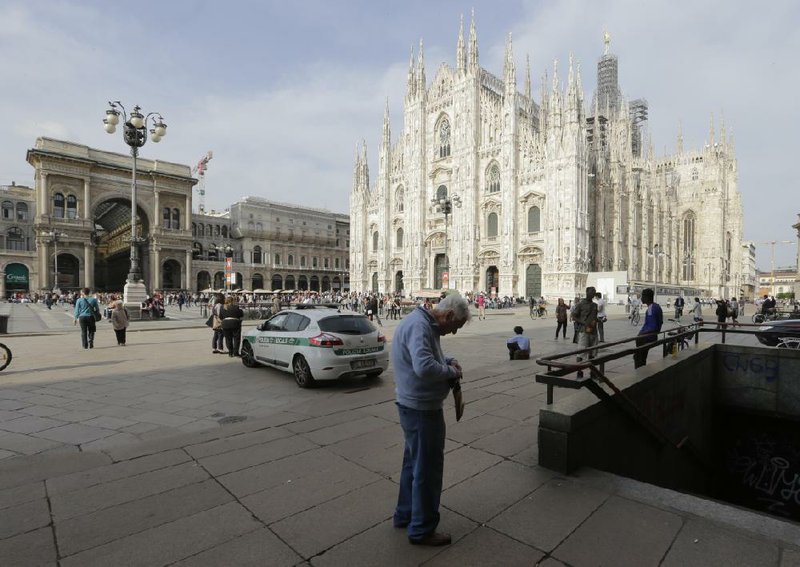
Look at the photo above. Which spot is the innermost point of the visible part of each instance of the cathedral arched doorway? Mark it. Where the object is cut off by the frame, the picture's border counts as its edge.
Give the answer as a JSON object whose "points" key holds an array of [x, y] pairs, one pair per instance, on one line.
{"points": [[398, 281], [302, 283], [439, 267], [493, 279], [258, 281], [238, 278], [69, 272], [337, 283], [289, 282], [203, 280], [314, 283], [277, 282], [375, 282], [112, 258], [326, 283], [533, 280], [171, 275]]}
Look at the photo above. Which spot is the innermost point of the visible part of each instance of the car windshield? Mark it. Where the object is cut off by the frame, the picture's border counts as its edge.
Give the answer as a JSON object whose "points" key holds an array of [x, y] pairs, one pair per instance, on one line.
{"points": [[346, 325]]}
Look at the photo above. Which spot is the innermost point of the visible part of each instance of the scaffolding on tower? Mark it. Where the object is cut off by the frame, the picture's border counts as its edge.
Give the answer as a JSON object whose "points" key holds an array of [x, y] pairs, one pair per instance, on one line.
{"points": [[200, 170]]}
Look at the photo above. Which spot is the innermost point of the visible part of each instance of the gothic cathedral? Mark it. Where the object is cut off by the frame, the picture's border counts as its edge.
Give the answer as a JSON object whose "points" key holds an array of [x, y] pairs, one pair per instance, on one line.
{"points": [[487, 189]]}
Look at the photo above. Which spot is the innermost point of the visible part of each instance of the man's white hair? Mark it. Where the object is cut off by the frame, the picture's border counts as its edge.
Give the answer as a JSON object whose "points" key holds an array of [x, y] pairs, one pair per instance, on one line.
{"points": [[457, 304]]}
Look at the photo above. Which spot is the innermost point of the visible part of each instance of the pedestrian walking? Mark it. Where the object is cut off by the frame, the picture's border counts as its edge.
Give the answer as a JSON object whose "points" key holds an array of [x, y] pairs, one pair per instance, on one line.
{"points": [[697, 311], [481, 301], [119, 322], [561, 317], [601, 316], [86, 312], [423, 378], [572, 309]]}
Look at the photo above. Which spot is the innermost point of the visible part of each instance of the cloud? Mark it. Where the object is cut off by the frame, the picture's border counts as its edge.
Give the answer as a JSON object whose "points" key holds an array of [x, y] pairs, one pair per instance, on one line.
{"points": [[282, 101]]}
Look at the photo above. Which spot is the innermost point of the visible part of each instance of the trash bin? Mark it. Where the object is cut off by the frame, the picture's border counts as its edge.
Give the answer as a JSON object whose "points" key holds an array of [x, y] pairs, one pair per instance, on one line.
{"points": [[3, 324]]}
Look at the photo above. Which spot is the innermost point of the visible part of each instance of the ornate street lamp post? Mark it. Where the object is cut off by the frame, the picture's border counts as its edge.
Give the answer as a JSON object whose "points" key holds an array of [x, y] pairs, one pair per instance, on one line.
{"points": [[134, 132], [445, 205], [55, 236]]}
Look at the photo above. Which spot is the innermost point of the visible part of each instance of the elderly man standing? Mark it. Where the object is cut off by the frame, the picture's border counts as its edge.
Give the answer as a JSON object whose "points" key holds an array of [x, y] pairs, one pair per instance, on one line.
{"points": [[423, 378]]}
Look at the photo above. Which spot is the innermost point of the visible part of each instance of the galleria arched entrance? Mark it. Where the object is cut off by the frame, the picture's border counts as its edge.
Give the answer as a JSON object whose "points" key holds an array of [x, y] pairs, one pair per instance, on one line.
{"points": [[112, 238]]}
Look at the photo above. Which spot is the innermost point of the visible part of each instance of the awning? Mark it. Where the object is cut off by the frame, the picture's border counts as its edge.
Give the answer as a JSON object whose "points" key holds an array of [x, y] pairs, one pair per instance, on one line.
{"points": [[17, 276]]}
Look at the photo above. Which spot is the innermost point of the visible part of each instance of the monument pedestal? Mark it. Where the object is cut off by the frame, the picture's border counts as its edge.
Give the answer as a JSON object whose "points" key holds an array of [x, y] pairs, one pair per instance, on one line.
{"points": [[133, 295]]}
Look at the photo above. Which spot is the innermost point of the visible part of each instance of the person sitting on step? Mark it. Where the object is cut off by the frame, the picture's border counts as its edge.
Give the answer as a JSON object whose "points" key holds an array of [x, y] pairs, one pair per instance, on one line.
{"points": [[519, 346]]}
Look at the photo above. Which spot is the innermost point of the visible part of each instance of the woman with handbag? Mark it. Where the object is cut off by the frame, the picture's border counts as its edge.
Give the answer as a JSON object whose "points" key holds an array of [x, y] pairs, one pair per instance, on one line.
{"points": [[87, 313], [215, 322], [119, 321]]}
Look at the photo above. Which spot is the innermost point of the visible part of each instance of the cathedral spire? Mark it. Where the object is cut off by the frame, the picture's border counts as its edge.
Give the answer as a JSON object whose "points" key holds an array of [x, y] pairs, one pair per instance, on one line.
{"points": [[421, 82], [473, 45], [711, 134], [509, 70], [528, 76], [680, 137], [722, 135], [461, 55], [411, 82], [387, 131], [570, 81], [578, 82]]}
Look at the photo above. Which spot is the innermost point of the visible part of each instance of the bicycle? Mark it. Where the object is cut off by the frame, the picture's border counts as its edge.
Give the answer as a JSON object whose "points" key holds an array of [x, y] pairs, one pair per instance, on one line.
{"points": [[5, 356], [771, 315], [538, 312], [635, 317], [683, 339]]}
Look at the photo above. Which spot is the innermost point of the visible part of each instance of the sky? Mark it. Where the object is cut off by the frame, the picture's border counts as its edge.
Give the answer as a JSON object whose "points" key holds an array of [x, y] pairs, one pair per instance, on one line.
{"points": [[282, 91]]}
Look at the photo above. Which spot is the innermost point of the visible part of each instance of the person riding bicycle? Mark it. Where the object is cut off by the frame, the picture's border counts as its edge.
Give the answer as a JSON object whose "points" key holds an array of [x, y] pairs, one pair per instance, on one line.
{"points": [[679, 303], [541, 308], [635, 304]]}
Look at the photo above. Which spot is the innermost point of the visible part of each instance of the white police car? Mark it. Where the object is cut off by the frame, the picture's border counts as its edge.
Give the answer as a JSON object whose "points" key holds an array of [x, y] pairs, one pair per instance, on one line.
{"points": [[317, 342]]}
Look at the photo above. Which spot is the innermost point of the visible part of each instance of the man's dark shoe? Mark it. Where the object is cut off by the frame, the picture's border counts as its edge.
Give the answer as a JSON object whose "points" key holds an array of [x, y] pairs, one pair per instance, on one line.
{"points": [[433, 539]]}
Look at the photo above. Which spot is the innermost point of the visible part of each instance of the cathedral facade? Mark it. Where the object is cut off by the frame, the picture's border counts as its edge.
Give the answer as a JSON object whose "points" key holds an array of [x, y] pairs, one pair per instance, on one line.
{"points": [[488, 189]]}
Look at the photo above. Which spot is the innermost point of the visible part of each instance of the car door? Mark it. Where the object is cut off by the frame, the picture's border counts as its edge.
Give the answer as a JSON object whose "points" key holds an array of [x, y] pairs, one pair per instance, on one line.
{"points": [[292, 338], [265, 347]]}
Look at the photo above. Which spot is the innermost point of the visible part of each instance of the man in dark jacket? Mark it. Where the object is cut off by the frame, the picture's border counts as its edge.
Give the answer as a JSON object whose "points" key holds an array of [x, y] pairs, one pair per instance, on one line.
{"points": [[585, 318]]}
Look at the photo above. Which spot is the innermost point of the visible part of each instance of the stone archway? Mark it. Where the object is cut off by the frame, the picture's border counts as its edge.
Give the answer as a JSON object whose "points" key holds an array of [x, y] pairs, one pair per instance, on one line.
{"points": [[171, 275], [69, 272], [219, 280], [203, 280], [492, 279], [112, 259]]}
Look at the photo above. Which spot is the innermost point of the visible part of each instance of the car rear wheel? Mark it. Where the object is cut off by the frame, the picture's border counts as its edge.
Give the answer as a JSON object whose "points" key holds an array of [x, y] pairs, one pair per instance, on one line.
{"points": [[302, 372], [248, 356]]}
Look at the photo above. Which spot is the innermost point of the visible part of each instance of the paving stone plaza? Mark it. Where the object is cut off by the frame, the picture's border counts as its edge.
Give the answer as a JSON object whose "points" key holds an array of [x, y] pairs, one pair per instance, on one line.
{"points": [[161, 453]]}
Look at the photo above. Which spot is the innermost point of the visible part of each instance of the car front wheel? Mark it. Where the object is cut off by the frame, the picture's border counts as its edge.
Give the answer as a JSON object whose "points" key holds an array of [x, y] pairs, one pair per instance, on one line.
{"points": [[248, 356], [302, 372]]}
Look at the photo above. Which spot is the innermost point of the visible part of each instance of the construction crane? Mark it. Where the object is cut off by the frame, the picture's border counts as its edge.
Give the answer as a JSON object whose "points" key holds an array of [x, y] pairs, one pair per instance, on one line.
{"points": [[772, 244], [200, 170]]}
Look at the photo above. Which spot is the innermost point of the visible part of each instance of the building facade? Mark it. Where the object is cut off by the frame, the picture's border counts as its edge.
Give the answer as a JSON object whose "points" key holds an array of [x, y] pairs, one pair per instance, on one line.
{"points": [[72, 229], [549, 190], [273, 246]]}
